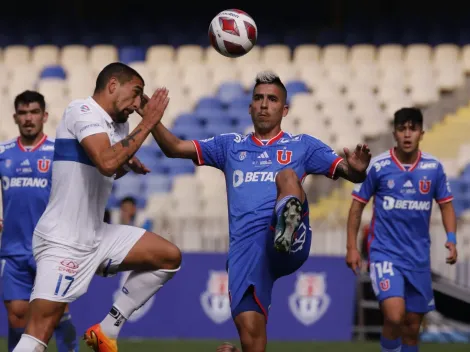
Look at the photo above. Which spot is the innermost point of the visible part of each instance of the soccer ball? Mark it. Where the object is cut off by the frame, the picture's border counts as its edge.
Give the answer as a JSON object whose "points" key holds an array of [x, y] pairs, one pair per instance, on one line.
{"points": [[233, 33]]}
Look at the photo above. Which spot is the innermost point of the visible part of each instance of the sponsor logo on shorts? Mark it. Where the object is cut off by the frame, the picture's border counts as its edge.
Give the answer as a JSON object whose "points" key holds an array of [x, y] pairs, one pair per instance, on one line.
{"points": [[215, 300], [310, 300], [68, 266]]}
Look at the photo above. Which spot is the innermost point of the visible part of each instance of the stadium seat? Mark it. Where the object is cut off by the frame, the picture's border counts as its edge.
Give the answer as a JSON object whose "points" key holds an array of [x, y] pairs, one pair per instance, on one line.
{"points": [[160, 54], [130, 54], [45, 55], [56, 72], [188, 119], [52, 88], [101, 56], [230, 90], [306, 54], [131, 185], [209, 103], [72, 55], [16, 55], [275, 54], [189, 54], [295, 87], [334, 54], [157, 184], [362, 54]]}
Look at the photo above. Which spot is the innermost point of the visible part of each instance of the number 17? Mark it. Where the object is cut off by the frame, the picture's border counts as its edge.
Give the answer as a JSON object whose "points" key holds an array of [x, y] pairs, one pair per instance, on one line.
{"points": [[59, 284]]}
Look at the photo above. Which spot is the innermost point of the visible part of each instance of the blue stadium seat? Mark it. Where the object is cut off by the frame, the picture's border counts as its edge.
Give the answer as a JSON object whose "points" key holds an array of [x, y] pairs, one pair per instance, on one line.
{"points": [[157, 184], [209, 103], [218, 117], [294, 87], [241, 102], [53, 72], [113, 202], [188, 132], [181, 166], [129, 54], [230, 90], [215, 129], [239, 113], [188, 119]]}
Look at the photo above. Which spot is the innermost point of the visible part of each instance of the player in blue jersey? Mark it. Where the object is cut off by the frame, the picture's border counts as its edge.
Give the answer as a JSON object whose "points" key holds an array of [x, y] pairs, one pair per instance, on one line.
{"points": [[404, 182], [269, 227], [25, 170]]}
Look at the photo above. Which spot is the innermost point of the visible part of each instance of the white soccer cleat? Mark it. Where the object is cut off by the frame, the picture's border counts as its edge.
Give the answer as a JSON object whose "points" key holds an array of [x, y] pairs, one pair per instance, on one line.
{"points": [[287, 225]]}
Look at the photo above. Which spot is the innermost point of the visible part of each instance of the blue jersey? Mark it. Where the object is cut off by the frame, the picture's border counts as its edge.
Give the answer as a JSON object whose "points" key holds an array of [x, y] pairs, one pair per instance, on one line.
{"points": [[250, 167], [26, 185], [403, 197]]}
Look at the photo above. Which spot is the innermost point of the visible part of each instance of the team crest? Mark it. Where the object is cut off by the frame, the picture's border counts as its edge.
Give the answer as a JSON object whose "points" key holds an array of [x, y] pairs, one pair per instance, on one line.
{"points": [[215, 300], [242, 155], [385, 285], [390, 184], [424, 186], [284, 157], [310, 301], [8, 163], [44, 165]]}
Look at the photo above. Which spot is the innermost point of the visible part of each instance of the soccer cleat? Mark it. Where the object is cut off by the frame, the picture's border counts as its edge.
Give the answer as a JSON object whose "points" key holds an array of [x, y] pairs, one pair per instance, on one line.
{"points": [[98, 341], [287, 225]]}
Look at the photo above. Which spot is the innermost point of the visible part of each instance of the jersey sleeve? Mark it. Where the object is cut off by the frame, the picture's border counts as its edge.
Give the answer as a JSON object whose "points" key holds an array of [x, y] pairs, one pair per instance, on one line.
{"points": [[364, 191], [83, 122], [213, 151], [442, 193], [320, 158]]}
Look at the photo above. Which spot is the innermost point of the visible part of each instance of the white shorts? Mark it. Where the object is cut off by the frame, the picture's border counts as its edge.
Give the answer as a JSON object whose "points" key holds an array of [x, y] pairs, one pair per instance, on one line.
{"points": [[64, 273]]}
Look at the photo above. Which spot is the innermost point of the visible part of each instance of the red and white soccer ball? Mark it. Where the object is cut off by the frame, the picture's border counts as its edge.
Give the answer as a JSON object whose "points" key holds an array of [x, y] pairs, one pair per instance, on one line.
{"points": [[233, 33]]}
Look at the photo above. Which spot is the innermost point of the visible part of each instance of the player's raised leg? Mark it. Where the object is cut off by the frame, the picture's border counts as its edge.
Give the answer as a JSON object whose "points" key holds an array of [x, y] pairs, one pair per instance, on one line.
{"points": [[290, 197], [153, 261]]}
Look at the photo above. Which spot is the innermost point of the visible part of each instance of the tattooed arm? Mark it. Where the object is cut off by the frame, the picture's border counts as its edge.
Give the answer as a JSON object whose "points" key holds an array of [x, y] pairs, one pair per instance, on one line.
{"points": [[110, 158], [345, 171]]}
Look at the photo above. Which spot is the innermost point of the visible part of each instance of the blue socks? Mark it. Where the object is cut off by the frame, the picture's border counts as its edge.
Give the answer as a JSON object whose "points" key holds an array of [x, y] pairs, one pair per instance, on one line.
{"points": [[390, 345], [406, 348], [66, 335], [14, 336]]}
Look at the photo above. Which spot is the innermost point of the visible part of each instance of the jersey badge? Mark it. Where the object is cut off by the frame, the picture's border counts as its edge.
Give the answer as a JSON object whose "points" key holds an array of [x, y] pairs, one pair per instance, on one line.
{"points": [[284, 157], [44, 165], [424, 186], [390, 184]]}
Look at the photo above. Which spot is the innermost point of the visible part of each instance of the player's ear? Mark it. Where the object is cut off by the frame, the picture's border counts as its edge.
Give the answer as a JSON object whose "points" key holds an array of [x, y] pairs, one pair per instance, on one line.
{"points": [[45, 117], [421, 135], [285, 110], [15, 118], [112, 85]]}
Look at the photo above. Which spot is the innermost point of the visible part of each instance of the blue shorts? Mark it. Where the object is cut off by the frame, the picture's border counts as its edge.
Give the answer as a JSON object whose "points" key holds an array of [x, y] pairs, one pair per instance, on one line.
{"points": [[18, 275], [414, 286], [253, 269]]}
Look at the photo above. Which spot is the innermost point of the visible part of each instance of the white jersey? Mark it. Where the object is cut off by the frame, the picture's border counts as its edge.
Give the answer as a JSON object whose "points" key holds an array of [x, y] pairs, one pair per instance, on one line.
{"points": [[74, 215]]}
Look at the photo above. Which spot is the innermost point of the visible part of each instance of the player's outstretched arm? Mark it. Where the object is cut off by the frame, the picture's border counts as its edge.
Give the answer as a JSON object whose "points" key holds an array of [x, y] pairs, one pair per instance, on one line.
{"points": [[110, 158], [172, 146], [353, 257], [353, 167], [449, 220]]}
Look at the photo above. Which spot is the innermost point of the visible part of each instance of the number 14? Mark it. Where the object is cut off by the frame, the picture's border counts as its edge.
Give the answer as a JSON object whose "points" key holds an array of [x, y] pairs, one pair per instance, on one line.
{"points": [[384, 268]]}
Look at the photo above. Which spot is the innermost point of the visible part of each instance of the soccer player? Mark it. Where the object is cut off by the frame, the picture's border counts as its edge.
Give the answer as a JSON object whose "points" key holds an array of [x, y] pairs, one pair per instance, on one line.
{"points": [[71, 241], [25, 170], [404, 182], [269, 225]]}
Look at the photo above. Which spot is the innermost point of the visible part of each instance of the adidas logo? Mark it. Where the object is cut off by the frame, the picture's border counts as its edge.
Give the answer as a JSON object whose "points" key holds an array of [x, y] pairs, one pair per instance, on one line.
{"points": [[408, 184], [263, 155], [25, 163]]}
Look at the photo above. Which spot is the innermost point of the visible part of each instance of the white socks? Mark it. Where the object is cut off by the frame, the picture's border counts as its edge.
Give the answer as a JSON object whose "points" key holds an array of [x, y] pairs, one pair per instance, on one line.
{"points": [[137, 290], [28, 343]]}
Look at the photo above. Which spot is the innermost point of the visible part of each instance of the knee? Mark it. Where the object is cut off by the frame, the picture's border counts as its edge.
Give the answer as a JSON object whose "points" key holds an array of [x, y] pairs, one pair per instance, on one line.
{"points": [[286, 176], [410, 335], [17, 319], [173, 258], [394, 319]]}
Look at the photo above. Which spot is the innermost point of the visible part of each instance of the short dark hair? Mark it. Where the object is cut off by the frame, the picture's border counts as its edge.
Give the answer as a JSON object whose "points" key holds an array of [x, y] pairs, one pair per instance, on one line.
{"points": [[404, 115], [121, 71], [28, 97], [128, 199], [269, 77]]}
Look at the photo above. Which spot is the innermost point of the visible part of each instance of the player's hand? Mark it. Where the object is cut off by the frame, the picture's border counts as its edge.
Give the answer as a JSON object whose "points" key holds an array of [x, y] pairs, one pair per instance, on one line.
{"points": [[1, 225], [144, 100], [153, 109], [358, 159], [136, 165], [452, 258], [227, 347], [353, 260]]}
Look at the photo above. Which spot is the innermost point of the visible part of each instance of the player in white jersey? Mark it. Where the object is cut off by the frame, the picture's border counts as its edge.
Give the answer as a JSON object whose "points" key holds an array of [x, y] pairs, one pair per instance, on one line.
{"points": [[71, 242]]}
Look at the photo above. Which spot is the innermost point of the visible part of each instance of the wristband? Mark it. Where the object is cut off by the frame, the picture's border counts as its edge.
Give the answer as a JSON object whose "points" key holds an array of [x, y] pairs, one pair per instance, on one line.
{"points": [[451, 237]]}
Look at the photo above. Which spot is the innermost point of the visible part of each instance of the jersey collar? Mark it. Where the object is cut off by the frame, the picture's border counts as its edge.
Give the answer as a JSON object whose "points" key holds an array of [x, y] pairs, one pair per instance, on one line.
{"points": [[100, 109], [257, 141], [34, 148], [400, 165]]}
